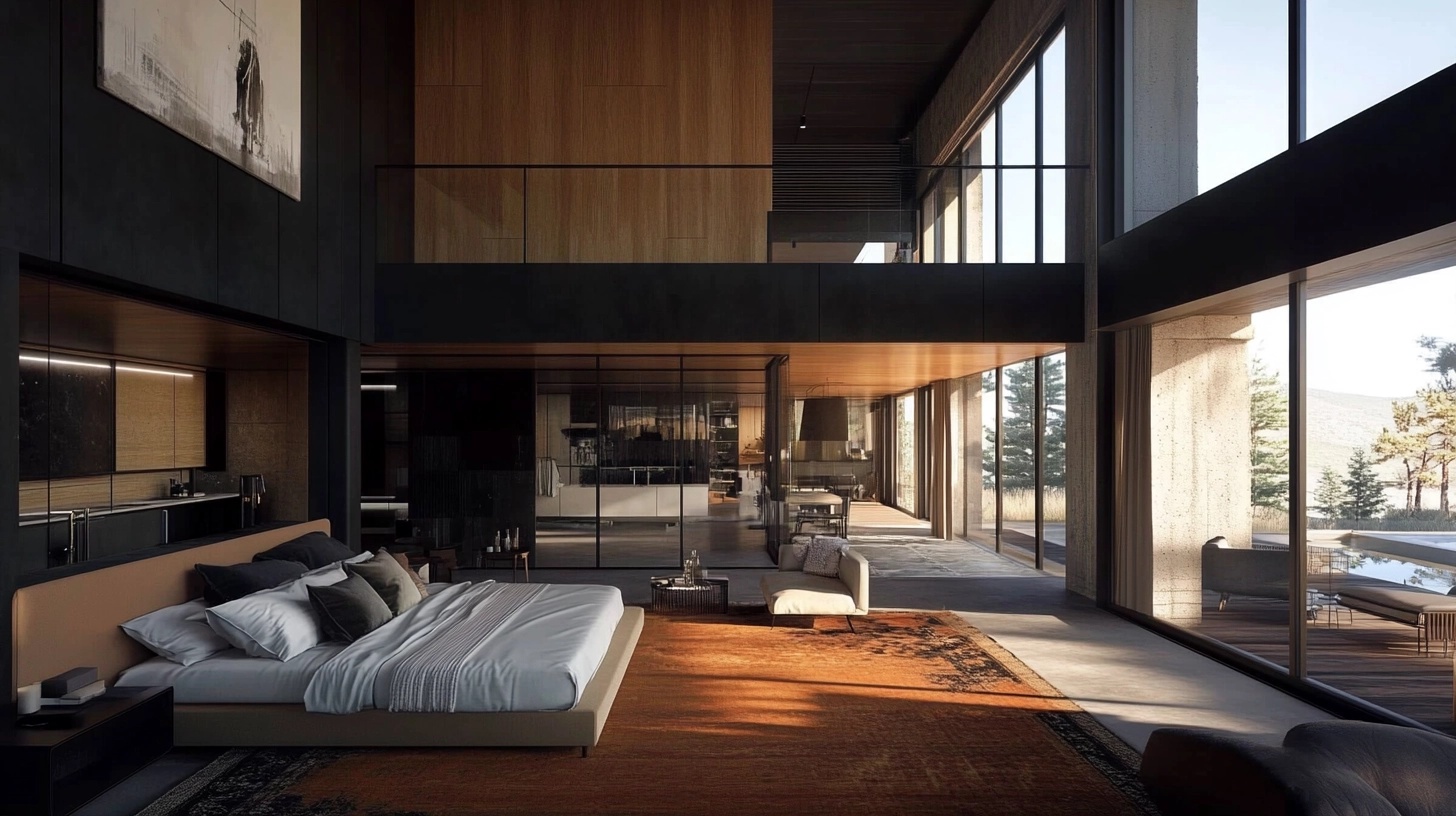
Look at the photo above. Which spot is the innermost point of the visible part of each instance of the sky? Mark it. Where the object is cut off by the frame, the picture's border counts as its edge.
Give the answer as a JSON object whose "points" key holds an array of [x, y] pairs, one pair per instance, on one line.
{"points": [[1357, 53], [1364, 341]]}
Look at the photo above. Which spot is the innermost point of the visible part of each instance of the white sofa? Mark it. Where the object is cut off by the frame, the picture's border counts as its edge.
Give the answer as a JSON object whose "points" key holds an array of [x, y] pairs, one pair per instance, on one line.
{"points": [[791, 591]]}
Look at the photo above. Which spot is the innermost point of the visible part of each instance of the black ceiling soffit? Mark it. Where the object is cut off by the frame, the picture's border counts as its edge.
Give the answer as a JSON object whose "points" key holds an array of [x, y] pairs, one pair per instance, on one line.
{"points": [[862, 71]]}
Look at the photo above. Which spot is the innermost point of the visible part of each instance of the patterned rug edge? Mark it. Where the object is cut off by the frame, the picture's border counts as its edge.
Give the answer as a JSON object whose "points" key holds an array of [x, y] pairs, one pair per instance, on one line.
{"points": [[1117, 761]]}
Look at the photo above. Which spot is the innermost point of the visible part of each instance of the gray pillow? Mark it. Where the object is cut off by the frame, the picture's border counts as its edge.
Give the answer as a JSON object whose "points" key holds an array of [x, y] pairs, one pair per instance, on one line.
{"points": [[390, 580], [404, 562], [349, 609], [313, 550], [222, 584]]}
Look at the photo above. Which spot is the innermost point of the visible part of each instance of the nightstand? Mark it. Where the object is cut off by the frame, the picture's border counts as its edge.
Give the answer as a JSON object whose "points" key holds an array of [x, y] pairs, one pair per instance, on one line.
{"points": [[54, 771]]}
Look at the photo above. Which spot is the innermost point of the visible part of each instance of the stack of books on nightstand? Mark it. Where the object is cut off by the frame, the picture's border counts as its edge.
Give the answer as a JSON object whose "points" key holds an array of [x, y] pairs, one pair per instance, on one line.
{"points": [[72, 688]]}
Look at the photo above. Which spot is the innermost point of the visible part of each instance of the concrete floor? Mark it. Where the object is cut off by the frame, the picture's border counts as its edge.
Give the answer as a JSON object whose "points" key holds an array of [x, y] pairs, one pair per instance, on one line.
{"points": [[1130, 679]]}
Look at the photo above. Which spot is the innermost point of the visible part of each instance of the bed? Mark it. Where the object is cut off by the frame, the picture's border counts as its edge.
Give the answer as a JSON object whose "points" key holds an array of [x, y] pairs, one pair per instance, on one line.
{"points": [[74, 621]]}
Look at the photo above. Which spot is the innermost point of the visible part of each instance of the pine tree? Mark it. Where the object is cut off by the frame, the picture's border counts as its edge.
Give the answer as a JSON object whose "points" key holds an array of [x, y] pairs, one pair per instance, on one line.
{"points": [[1406, 442], [1018, 422], [1438, 410], [1364, 496], [1054, 444], [1268, 440], [1329, 494], [1441, 361]]}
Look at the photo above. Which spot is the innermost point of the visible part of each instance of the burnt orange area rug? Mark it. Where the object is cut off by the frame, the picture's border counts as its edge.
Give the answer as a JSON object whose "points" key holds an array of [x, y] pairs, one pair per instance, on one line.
{"points": [[918, 713]]}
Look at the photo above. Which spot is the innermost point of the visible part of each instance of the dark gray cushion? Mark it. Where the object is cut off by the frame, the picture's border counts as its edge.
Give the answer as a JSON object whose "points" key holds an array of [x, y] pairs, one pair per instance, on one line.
{"points": [[349, 609], [313, 550], [1333, 768], [222, 584], [390, 580]]}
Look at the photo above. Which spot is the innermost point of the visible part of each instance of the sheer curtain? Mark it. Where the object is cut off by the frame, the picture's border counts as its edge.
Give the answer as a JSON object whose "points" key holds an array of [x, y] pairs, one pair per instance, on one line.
{"points": [[1132, 531], [942, 524]]}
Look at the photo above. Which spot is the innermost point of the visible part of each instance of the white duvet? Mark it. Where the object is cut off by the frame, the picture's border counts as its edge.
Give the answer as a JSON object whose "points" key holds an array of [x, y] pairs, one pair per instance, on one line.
{"points": [[538, 657]]}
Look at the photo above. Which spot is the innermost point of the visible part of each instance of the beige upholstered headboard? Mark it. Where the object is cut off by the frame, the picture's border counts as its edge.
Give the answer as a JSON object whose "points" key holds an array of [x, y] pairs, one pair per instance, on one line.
{"points": [[75, 621]]}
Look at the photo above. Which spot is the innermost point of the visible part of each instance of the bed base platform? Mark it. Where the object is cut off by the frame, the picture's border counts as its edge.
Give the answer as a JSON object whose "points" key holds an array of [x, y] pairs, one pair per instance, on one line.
{"points": [[73, 621], [276, 725]]}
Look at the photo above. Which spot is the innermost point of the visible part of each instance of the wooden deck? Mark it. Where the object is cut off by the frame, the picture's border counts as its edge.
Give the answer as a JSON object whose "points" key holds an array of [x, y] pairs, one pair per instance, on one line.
{"points": [[1371, 658]]}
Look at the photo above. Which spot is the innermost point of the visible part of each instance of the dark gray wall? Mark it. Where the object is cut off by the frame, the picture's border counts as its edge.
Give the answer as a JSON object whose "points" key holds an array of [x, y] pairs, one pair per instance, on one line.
{"points": [[90, 182], [334, 436], [1384, 174], [768, 303], [10, 555]]}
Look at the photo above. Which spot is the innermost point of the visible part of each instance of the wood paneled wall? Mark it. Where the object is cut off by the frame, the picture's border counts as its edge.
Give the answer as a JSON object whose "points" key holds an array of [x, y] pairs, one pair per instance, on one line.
{"points": [[144, 422], [189, 413], [593, 82], [161, 421]]}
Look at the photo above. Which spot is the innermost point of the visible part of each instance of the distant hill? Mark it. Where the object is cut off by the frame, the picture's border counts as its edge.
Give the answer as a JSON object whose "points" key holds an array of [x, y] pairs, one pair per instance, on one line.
{"points": [[1340, 423]]}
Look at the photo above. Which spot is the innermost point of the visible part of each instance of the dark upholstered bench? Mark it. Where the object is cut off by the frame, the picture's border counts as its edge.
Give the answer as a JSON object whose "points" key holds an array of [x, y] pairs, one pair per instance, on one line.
{"points": [[1322, 769]]}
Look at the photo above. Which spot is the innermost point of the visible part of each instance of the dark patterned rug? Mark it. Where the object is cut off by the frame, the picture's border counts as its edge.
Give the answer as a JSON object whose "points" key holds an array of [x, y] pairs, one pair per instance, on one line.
{"points": [[918, 713]]}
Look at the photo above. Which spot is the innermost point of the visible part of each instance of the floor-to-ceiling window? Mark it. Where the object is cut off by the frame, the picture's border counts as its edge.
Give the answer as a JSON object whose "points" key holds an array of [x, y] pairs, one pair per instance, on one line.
{"points": [[985, 462], [1006, 426], [906, 445], [1054, 462], [1371, 550], [1018, 446], [1007, 201], [1380, 450]]}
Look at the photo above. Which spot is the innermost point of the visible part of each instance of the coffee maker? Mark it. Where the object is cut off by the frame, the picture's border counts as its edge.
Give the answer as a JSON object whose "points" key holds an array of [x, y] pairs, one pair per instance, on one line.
{"points": [[251, 487]]}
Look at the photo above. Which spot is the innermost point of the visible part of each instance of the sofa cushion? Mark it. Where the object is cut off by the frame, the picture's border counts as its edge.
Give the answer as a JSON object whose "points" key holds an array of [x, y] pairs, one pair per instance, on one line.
{"points": [[798, 593], [822, 557]]}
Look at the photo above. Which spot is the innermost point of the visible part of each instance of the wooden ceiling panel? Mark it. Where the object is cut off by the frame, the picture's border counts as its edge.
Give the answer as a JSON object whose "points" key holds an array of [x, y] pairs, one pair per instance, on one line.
{"points": [[848, 369]]}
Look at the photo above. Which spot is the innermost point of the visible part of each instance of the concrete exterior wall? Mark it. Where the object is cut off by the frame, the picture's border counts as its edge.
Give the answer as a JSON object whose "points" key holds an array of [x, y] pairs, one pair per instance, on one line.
{"points": [[1162, 143], [1200, 452]]}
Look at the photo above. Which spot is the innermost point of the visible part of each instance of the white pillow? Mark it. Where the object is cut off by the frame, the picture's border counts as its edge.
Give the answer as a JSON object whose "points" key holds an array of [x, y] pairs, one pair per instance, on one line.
{"points": [[175, 634], [278, 623]]}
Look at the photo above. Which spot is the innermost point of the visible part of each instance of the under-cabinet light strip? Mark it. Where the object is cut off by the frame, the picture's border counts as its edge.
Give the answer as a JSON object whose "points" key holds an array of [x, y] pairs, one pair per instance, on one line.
{"points": [[183, 374], [31, 358], [377, 387]]}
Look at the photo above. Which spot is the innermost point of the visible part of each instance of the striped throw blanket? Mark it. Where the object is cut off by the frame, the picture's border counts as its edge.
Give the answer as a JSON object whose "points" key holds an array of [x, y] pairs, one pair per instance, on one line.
{"points": [[429, 679]]}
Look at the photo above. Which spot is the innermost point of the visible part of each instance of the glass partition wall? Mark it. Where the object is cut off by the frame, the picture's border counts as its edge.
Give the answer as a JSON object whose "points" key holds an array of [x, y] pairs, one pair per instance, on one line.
{"points": [[652, 458]]}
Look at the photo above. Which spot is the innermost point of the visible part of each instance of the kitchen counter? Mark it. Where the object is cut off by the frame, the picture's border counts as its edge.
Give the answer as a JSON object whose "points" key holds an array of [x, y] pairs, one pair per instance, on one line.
{"points": [[31, 519]]}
